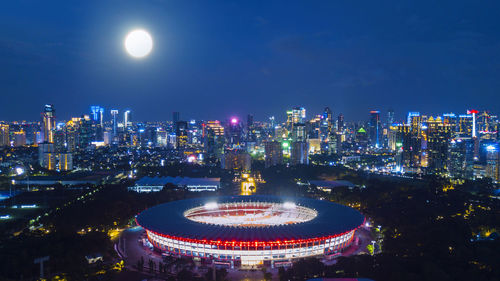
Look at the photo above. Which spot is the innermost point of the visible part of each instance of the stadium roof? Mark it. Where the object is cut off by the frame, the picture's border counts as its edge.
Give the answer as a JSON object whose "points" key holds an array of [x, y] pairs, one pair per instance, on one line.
{"points": [[168, 219]]}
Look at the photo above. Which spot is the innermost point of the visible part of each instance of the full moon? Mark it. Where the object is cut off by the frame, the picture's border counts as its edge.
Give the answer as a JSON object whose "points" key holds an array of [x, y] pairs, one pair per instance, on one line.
{"points": [[138, 43]]}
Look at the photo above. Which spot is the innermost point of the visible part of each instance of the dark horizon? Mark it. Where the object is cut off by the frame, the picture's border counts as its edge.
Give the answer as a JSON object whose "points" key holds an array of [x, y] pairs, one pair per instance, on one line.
{"points": [[216, 60]]}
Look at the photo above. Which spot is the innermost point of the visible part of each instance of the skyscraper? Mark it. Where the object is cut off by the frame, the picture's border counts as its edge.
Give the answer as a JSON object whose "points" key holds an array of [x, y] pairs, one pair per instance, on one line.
{"points": [[340, 122], [299, 132], [299, 153], [97, 114], [4, 135], [114, 112], [390, 117], [438, 137], [127, 120], [328, 117], [181, 134], [48, 123], [273, 153], [375, 128]]}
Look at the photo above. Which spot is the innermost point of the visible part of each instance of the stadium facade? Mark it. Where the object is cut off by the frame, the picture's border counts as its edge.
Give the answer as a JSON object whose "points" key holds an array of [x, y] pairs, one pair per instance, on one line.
{"points": [[251, 230]]}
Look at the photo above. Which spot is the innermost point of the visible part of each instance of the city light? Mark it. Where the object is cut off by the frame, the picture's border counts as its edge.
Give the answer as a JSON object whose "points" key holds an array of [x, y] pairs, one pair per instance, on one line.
{"points": [[19, 171]]}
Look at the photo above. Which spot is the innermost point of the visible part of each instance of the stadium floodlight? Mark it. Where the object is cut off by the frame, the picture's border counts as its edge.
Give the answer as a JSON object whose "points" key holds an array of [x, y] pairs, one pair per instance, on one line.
{"points": [[289, 205], [211, 205]]}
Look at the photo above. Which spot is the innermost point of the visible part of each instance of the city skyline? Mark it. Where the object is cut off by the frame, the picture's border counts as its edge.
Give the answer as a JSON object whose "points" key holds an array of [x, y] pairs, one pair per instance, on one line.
{"points": [[253, 61], [279, 116]]}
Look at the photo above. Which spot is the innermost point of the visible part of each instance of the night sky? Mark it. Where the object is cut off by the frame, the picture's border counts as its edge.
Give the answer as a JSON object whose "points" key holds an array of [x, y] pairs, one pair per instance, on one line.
{"points": [[215, 59]]}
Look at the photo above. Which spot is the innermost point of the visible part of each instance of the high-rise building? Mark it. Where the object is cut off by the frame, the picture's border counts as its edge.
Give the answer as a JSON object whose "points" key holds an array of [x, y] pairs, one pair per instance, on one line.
{"points": [[340, 122], [273, 153], [333, 143], [451, 120], [236, 160], [465, 125], [390, 117], [410, 146], [48, 123], [299, 132], [299, 153], [65, 162], [375, 128], [234, 132], [47, 155], [181, 134], [457, 158], [97, 114], [213, 138], [114, 113], [492, 162], [4, 135], [438, 137], [19, 138], [127, 120], [328, 117]]}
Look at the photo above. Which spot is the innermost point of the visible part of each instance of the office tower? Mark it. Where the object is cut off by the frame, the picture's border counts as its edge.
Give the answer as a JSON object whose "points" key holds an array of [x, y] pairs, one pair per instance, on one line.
{"points": [[60, 140], [332, 143], [127, 120], [451, 120], [328, 117], [299, 153], [249, 121], [294, 116], [251, 132], [340, 122], [390, 117], [213, 138], [97, 114], [48, 123], [65, 162], [465, 125], [19, 138], [86, 132], [234, 132], [392, 132], [410, 145], [236, 159], [438, 137], [411, 116], [176, 117], [47, 155], [314, 127], [375, 128], [72, 129], [272, 123], [273, 153], [298, 114], [492, 161], [114, 113], [299, 132], [457, 158], [4, 135], [181, 134], [473, 112]]}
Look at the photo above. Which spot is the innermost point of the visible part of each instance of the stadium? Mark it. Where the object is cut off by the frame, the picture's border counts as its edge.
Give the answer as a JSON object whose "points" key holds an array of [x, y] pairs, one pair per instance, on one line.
{"points": [[250, 230]]}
